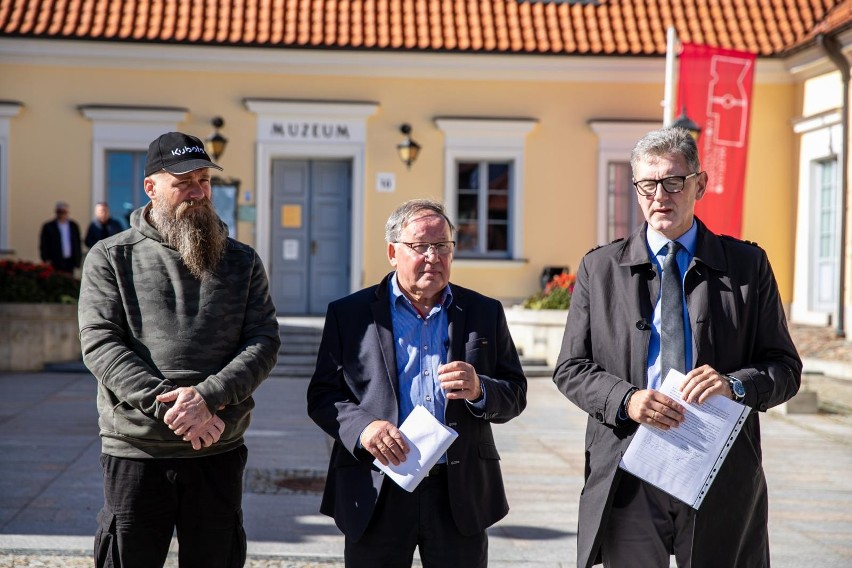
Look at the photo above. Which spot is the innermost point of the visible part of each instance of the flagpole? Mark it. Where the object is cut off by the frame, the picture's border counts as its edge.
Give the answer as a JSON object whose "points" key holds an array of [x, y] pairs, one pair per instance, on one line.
{"points": [[668, 100]]}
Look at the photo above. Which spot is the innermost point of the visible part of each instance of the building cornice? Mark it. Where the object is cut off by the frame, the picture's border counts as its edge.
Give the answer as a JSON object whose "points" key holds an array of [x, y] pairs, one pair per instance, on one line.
{"points": [[545, 68]]}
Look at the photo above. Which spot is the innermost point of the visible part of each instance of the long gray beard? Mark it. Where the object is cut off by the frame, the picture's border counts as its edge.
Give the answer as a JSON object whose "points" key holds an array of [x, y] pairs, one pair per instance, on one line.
{"points": [[194, 230]]}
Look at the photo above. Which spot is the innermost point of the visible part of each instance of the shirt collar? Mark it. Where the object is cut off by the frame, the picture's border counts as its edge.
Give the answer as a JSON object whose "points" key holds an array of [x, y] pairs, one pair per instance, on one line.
{"points": [[396, 293], [657, 242]]}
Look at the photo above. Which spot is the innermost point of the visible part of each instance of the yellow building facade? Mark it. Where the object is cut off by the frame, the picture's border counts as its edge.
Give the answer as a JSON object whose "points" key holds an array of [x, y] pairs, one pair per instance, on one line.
{"points": [[544, 132]]}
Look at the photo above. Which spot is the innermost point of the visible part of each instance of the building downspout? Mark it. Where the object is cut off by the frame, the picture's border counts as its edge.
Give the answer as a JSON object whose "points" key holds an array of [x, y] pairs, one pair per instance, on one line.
{"points": [[831, 47]]}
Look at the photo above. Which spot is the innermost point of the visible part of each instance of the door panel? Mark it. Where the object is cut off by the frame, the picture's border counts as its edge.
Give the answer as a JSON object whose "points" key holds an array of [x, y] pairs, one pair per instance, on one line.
{"points": [[329, 233], [311, 234]]}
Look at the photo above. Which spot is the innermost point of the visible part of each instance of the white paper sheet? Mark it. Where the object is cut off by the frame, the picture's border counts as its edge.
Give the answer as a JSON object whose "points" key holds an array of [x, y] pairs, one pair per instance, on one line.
{"points": [[427, 439], [683, 461]]}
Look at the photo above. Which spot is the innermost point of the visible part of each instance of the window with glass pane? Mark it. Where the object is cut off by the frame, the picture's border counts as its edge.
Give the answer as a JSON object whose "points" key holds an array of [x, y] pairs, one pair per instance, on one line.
{"points": [[623, 213], [827, 208], [826, 257], [124, 188], [484, 213]]}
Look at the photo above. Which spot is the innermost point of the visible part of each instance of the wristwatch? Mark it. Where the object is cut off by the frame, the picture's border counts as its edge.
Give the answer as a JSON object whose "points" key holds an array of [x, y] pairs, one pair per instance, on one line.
{"points": [[737, 388]]}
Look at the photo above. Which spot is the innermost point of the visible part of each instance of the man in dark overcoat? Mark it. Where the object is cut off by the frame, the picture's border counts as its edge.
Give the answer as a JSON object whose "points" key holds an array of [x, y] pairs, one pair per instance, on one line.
{"points": [[734, 343]]}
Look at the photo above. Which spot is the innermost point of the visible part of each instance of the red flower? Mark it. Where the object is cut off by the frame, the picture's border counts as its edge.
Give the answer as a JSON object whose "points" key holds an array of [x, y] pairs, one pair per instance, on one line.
{"points": [[563, 280]]}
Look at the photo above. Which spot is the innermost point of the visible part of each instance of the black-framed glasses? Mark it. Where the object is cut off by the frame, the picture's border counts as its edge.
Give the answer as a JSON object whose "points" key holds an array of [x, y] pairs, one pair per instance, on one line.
{"points": [[671, 184], [441, 249]]}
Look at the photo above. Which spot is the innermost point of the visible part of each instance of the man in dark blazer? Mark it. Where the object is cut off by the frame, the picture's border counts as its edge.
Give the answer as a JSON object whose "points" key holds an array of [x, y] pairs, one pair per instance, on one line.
{"points": [[415, 339], [59, 241], [736, 345]]}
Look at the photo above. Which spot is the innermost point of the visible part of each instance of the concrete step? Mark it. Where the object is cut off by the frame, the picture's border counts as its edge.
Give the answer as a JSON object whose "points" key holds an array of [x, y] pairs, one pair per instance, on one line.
{"points": [[536, 367], [303, 360], [304, 348], [300, 341], [534, 371], [292, 371]]}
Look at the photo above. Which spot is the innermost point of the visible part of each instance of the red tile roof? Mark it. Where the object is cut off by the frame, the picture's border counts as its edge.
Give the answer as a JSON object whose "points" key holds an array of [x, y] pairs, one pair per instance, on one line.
{"points": [[555, 27]]}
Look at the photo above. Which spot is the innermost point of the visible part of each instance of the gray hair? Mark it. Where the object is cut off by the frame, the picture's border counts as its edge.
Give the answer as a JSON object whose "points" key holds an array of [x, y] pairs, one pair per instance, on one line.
{"points": [[401, 216], [666, 142]]}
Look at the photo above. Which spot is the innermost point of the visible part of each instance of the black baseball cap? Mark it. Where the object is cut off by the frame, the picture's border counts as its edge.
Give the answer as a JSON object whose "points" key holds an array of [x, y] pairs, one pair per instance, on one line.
{"points": [[177, 153]]}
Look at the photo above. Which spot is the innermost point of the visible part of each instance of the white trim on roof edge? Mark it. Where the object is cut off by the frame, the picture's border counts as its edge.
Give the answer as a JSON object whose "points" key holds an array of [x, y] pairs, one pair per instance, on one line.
{"points": [[339, 62]]}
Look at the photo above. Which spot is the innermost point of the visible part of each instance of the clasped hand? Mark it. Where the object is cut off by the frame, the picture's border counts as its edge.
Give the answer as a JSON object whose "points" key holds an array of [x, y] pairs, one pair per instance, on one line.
{"points": [[656, 409], [191, 419]]}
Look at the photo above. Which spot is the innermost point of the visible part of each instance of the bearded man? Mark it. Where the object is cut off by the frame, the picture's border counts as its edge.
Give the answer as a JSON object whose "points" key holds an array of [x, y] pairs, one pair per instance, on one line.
{"points": [[178, 327]]}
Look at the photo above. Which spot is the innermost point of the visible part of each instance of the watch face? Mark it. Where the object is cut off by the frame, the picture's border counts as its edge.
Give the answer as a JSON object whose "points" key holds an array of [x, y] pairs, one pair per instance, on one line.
{"points": [[739, 389]]}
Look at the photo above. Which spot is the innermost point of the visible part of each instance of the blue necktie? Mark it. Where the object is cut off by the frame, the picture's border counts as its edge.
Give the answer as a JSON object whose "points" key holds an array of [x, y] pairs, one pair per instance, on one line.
{"points": [[672, 346]]}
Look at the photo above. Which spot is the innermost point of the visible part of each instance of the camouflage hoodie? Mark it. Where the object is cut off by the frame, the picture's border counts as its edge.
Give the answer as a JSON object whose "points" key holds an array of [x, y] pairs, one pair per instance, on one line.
{"points": [[147, 326]]}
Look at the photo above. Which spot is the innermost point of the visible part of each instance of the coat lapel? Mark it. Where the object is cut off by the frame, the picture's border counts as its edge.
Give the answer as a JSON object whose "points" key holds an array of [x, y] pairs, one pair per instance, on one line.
{"points": [[456, 316], [709, 259], [384, 329], [643, 274], [456, 320]]}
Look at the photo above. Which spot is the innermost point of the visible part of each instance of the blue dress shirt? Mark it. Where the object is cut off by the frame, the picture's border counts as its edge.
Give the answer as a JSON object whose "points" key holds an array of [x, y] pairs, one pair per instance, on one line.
{"points": [[422, 343], [657, 244]]}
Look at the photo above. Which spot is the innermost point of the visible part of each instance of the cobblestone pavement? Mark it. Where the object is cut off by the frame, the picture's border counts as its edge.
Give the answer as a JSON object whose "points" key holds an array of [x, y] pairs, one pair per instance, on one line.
{"points": [[63, 560], [835, 409], [819, 342], [834, 394]]}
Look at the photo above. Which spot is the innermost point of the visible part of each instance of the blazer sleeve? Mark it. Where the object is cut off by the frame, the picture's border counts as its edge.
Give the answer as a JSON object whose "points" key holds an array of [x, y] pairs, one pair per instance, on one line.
{"points": [[506, 386], [332, 404]]}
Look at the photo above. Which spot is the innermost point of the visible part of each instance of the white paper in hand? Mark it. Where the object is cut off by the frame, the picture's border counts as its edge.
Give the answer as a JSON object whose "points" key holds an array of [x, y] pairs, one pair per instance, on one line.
{"points": [[427, 441]]}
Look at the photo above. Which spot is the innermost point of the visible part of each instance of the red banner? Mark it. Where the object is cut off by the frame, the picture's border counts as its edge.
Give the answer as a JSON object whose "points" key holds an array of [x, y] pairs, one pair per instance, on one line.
{"points": [[715, 91]]}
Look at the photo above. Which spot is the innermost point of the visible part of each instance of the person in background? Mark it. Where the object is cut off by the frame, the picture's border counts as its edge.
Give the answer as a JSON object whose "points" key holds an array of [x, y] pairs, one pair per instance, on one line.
{"points": [[102, 226], [59, 241], [673, 295], [178, 327], [415, 339]]}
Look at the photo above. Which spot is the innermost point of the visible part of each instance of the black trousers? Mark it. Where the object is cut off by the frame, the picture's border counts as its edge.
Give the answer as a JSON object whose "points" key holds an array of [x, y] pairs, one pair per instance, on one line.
{"points": [[147, 500], [422, 519], [646, 526]]}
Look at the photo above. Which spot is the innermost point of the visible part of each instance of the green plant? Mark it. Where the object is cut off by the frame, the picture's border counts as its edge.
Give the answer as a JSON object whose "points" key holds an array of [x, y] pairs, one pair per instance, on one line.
{"points": [[555, 296], [28, 282]]}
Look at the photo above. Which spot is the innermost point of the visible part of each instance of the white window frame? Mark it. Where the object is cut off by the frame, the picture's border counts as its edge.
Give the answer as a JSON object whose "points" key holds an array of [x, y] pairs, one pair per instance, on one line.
{"points": [[487, 140], [124, 128], [821, 138], [8, 110], [616, 139]]}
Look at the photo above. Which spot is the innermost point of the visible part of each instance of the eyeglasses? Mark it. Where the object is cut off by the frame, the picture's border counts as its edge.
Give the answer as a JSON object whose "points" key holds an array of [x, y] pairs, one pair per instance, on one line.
{"points": [[443, 248], [671, 184]]}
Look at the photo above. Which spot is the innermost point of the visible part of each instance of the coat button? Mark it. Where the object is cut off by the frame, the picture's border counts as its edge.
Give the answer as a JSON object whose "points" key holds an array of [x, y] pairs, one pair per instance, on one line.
{"points": [[642, 325]]}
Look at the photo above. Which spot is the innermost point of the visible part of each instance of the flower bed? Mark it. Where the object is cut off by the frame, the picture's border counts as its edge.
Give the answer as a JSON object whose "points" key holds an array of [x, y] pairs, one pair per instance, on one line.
{"points": [[38, 316], [32, 283], [538, 324]]}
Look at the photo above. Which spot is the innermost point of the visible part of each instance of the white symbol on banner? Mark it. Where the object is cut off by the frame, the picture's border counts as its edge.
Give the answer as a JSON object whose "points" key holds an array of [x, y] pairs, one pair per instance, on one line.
{"points": [[727, 112], [727, 101]]}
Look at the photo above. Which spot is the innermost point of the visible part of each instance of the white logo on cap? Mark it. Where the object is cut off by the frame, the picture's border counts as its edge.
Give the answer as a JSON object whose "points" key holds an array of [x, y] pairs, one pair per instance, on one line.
{"points": [[187, 150]]}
